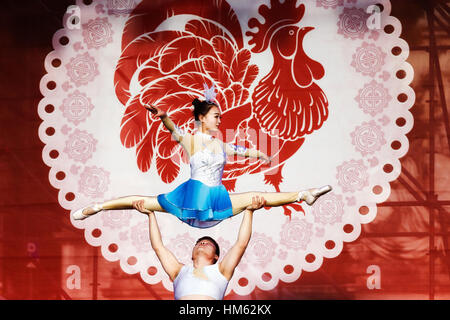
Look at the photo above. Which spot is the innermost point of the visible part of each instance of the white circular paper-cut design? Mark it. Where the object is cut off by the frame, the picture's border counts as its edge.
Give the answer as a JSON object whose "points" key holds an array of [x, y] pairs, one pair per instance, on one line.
{"points": [[325, 87]]}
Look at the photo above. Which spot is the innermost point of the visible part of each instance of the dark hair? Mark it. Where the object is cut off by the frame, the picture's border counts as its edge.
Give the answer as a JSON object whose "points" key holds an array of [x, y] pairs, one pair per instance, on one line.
{"points": [[201, 108], [213, 242]]}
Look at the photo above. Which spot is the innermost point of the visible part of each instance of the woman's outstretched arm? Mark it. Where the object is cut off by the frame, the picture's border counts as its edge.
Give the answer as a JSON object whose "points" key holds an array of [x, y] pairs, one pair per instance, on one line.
{"points": [[179, 135], [232, 150], [165, 119]]}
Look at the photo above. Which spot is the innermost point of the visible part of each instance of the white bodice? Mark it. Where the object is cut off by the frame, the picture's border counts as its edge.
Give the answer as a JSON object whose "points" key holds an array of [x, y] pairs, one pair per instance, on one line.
{"points": [[212, 283], [207, 165]]}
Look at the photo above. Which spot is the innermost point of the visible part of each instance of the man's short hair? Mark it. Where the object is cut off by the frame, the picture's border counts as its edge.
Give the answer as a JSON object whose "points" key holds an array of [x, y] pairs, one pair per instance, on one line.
{"points": [[213, 242]]}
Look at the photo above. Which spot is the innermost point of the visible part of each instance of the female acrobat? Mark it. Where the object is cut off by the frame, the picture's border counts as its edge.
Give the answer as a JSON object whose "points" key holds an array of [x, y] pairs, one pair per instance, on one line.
{"points": [[202, 201]]}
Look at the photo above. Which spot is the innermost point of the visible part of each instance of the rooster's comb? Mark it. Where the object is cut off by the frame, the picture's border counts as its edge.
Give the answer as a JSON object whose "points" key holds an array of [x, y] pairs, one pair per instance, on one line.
{"points": [[279, 14]]}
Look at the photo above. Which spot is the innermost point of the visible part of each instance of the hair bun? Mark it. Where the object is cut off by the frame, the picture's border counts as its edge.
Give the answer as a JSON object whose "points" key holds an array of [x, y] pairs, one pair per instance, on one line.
{"points": [[196, 102]]}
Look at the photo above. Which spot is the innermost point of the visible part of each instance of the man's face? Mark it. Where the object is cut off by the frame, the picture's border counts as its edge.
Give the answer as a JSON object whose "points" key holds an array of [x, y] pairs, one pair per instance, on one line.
{"points": [[205, 247]]}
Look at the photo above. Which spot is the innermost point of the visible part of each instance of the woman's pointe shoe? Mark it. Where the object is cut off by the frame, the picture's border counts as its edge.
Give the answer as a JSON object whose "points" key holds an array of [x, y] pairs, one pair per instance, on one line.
{"points": [[83, 213], [310, 196]]}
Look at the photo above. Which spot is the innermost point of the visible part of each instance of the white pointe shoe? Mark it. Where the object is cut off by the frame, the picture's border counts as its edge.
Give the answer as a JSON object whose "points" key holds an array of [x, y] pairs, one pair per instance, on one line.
{"points": [[79, 215], [310, 196]]}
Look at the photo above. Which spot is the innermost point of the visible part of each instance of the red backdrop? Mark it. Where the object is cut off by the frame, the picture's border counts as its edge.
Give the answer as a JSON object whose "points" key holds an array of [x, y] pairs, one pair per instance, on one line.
{"points": [[407, 243]]}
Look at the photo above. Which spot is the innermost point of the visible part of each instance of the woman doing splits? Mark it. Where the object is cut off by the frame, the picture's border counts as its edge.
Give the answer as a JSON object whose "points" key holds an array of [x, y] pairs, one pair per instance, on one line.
{"points": [[202, 201]]}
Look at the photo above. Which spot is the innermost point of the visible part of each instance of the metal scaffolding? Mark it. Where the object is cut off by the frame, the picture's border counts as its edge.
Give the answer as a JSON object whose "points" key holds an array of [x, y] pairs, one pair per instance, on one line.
{"points": [[437, 14]]}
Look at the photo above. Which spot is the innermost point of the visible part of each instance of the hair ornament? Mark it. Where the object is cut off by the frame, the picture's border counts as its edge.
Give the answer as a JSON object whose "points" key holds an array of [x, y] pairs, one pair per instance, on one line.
{"points": [[210, 93]]}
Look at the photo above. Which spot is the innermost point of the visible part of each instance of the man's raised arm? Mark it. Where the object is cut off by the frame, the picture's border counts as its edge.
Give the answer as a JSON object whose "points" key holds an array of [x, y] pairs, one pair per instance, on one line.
{"points": [[234, 255], [168, 261]]}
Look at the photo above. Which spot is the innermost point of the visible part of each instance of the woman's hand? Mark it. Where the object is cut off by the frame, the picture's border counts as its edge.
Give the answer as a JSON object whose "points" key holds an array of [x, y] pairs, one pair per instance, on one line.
{"points": [[265, 158], [257, 203], [157, 112], [139, 206]]}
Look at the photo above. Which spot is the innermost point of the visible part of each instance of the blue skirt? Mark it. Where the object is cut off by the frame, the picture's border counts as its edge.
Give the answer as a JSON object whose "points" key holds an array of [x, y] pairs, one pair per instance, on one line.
{"points": [[198, 204]]}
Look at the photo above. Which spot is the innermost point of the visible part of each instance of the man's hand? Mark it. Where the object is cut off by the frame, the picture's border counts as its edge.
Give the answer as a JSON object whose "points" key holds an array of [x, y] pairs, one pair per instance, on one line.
{"points": [[139, 206], [257, 203]]}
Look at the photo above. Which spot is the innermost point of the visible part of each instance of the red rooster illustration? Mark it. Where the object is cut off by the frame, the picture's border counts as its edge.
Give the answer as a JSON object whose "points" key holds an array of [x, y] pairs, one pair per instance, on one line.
{"points": [[165, 62]]}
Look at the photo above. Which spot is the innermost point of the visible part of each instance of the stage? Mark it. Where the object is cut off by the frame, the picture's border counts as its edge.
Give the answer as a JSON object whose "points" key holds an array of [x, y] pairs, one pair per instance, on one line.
{"points": [[401, 254]]}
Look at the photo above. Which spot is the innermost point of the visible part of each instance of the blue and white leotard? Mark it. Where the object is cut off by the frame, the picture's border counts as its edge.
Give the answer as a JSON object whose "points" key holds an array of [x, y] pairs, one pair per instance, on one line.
{"points": [[202, 201]]}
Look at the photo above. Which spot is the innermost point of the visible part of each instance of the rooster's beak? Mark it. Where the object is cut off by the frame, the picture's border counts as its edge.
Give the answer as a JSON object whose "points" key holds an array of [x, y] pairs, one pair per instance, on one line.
{"points": [[305, 30], [301, 32]]}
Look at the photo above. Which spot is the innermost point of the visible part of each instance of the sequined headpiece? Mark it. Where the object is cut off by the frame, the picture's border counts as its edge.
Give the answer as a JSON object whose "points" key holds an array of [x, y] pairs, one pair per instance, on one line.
{"points": [[210, 93]]}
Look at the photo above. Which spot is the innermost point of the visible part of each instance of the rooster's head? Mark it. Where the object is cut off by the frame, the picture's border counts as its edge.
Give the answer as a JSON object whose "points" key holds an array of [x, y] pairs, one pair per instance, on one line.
{"points": [[280, 22]]}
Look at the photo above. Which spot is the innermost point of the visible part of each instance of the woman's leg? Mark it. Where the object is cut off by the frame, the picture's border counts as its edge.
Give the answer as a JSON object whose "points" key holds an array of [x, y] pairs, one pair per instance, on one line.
{"points": [[240, 201], [150, 203]]}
